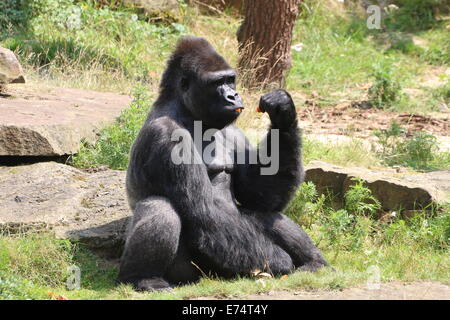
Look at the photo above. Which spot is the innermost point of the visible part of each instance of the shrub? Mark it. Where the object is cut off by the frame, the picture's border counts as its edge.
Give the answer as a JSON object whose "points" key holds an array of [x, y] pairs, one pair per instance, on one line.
{"points": [[354, 226], [306, 205], [386, 90], [359, 200]]}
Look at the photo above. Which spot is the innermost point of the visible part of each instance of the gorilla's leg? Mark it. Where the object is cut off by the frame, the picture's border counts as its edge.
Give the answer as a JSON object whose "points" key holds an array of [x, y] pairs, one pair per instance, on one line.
{"points": [[291, 238], [152, 244]]}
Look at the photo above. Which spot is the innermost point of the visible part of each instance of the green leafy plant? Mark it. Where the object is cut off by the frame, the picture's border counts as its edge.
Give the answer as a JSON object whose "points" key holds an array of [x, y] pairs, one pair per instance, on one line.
{"points": [[386, 90], [360, 201], [442, 93], [306, 205]]}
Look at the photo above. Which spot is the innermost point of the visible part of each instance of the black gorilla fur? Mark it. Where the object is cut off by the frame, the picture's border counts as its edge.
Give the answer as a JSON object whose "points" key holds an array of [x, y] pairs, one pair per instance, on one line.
{"points": [[214, 217]]}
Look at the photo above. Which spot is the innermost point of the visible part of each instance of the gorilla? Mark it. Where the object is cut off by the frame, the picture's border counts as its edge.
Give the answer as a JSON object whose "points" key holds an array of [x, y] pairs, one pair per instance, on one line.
{"points": [[216, 216]]}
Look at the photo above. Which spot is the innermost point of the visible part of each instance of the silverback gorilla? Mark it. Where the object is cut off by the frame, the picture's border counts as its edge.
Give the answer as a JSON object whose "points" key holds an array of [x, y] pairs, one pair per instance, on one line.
{"points": [[215, 216]]}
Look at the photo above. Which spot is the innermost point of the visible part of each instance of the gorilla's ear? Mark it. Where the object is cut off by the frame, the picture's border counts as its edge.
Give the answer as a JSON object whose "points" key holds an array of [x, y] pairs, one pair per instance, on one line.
{"points": [[184, 84]]}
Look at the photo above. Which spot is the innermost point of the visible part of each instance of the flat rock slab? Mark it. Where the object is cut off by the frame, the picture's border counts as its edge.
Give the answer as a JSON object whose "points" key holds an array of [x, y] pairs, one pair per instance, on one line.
{"points": [[394, 190], [48, 121], [72, 203]]}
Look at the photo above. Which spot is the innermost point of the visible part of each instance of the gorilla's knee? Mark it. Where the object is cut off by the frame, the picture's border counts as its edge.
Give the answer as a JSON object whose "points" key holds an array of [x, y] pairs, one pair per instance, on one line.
{"points": [[152, 242]]}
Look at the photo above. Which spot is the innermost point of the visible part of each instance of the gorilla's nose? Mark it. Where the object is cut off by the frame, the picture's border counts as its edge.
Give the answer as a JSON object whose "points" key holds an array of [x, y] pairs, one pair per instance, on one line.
{"points": [[231, 97], [234, 99]]}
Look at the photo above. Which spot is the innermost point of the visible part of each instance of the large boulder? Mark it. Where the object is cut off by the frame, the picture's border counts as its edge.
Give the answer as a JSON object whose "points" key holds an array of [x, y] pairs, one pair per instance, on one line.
{"points": [[394, 191], [10, 68], [71, 203], [46, 121]]}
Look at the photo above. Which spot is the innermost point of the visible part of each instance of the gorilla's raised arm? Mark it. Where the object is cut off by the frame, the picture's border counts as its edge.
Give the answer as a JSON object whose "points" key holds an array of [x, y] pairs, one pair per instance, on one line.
{"points": [[272, 192]]}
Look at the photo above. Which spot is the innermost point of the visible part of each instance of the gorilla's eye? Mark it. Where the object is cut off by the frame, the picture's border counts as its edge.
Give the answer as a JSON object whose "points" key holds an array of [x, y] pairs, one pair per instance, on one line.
{"points": [[218, 82]]}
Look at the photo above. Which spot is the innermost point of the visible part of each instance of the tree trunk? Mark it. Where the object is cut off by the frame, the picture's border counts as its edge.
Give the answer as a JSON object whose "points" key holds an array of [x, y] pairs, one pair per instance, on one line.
{"points": [[265, 41]]}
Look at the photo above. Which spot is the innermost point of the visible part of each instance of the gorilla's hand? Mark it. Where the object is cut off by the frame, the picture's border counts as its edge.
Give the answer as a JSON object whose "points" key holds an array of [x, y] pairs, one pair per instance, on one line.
{"points": [[280, 107]]}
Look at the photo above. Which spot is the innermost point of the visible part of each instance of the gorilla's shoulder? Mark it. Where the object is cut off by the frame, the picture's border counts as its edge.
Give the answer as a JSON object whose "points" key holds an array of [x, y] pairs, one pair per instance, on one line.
{"points": [[161, 127]]}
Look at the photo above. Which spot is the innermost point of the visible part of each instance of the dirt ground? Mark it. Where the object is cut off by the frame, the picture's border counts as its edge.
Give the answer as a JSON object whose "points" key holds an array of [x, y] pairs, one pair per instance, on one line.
{"points": [[425, 290], [359, 121], [346, 121]]}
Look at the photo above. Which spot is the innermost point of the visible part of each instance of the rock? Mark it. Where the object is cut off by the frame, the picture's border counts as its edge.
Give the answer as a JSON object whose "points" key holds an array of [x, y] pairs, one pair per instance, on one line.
{"points": [[53, 121], [71, 203], [10, 68], [152, 5], [440, 179], [394, 192]]}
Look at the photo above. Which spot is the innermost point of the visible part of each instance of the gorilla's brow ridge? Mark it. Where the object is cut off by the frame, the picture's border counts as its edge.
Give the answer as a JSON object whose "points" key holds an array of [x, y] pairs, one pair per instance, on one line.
{"points": [[218, 75]]}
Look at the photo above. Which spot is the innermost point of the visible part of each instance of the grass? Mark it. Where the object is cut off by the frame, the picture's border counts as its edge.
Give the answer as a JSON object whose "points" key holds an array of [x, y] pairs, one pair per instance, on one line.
{"points": [[339, 55], [106, 49], [36, 266], [351, 153], [421, 151]]}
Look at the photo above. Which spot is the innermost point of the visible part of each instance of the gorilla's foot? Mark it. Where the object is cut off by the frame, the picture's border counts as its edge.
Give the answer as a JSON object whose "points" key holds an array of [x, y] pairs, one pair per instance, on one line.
{"points": [[151, 284]]}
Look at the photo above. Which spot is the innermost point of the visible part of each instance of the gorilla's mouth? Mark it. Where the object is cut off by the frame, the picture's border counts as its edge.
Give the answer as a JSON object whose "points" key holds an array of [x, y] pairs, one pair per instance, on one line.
{"points": [[236, 109], [230, 109]]}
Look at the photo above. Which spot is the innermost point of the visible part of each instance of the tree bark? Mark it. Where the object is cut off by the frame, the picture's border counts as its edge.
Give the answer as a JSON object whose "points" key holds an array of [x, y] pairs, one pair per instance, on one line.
{"points": [[265, 39]]}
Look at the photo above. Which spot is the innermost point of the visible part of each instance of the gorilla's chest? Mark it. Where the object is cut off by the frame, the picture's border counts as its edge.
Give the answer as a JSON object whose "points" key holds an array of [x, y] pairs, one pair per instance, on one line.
{"points": [[218, 160]]}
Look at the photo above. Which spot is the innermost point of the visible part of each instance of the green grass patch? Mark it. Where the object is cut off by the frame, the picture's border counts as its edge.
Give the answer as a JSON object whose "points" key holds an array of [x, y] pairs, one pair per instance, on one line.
{"points": [[75, 41], [421, 151], [351, 153], [386, 90]]}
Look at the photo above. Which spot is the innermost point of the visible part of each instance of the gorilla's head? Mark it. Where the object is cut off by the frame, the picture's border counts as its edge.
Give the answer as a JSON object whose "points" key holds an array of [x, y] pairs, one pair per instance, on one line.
{"points": [[203, 82]]}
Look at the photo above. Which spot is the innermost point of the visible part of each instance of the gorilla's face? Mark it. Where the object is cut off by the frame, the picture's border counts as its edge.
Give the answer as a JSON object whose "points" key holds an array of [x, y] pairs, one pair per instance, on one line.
{"points": [[212, 97]]}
